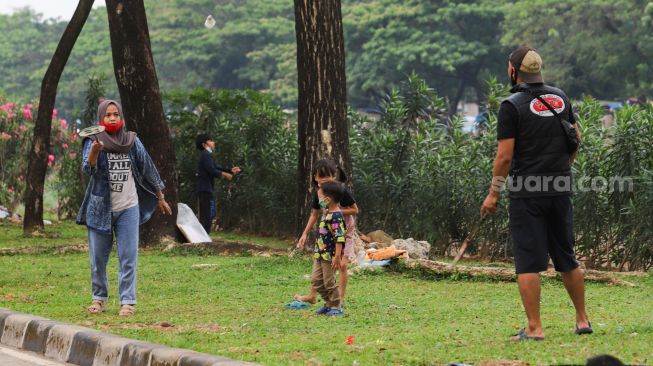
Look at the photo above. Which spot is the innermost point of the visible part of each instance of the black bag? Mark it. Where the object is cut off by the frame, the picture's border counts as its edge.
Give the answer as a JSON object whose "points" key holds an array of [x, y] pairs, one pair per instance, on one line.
{"points": [[570, 131]]}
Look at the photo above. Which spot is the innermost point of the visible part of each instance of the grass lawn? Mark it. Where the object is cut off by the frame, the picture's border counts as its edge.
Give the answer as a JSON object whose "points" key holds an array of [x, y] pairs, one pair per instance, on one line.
{"points": [[235, 309], [59, 233]]}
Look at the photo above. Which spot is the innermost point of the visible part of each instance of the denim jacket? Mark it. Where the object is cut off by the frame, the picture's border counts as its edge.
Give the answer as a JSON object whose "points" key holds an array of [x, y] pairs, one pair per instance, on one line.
{"points": [[95, 211]]}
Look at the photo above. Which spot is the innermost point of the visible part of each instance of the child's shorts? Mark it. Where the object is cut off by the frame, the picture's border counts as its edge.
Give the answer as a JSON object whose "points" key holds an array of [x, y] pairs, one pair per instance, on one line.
{"points": [[349, 238]]}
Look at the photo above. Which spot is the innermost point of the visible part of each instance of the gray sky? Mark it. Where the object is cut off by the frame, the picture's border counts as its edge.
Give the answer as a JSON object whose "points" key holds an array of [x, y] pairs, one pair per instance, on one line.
{"points": [[49, 8]]}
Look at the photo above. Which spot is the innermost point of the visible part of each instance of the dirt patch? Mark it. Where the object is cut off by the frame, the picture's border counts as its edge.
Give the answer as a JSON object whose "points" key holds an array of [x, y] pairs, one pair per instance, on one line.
{"points": [[503, 363], [216, 247], [60, 249], [11, 297], [226, 248], [169, 327]]}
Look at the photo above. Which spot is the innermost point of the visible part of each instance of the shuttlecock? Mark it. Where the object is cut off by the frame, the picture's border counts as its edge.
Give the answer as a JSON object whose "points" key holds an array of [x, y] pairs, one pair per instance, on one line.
{"points": [[210, 22]]}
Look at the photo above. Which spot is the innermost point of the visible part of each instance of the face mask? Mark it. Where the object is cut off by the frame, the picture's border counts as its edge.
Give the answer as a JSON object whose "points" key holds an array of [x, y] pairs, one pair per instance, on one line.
{"points": [[323, 204], [113, 128], [209, 150]]}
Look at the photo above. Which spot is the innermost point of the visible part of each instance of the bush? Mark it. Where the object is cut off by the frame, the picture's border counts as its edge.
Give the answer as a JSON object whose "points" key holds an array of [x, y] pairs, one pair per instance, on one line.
{"points": [[417, 174], [428, 181], [613, 226], [16, 126]]}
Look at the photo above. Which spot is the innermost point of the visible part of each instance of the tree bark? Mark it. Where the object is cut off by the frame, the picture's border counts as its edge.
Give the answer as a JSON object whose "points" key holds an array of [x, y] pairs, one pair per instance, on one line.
{"points": [[38, 156], [323, 130], [141, 101], [453, 105]]}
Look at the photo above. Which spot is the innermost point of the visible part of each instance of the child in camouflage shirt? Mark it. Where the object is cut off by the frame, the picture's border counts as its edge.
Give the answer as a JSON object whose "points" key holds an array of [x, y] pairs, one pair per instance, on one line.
{"points": [[328, 249]]}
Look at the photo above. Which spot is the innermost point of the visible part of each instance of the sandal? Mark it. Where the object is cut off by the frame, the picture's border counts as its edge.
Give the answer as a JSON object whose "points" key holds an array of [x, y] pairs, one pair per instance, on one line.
{"points": [[97, 306], [586, 330], [127, 310], [297, 305], [522, 336], [323, 310], [334, 311]]}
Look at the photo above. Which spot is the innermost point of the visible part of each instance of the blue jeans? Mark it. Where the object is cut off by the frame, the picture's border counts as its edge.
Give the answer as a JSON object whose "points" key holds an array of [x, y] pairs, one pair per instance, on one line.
{"points": [[125, 226]]}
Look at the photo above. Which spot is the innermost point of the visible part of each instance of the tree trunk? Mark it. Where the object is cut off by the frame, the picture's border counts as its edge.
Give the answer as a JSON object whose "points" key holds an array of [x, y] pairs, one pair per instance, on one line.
{"points": [[38, 156], [141, 101], [453, 104], [323, 130]]}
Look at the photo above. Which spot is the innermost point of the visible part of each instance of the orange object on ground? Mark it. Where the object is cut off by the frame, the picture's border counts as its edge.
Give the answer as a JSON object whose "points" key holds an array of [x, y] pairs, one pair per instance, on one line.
{"points": [[385, 253]]}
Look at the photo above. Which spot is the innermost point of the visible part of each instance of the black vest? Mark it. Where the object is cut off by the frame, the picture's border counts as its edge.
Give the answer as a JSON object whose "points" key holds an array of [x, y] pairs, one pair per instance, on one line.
{"points": [[540, 165]]}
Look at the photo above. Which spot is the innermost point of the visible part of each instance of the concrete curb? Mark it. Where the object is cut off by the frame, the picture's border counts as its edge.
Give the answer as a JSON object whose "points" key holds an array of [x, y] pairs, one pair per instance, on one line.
{"points": [[88, 347]]}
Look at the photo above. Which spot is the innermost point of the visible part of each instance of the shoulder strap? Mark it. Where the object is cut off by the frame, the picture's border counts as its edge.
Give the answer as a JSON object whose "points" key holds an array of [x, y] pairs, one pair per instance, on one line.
{"points": [[547, 105]]}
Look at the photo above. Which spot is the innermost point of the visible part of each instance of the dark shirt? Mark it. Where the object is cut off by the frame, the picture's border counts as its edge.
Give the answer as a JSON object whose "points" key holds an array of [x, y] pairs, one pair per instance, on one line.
{"points": [[331, 231], [347, 200], [207, 171], [508, 121]]}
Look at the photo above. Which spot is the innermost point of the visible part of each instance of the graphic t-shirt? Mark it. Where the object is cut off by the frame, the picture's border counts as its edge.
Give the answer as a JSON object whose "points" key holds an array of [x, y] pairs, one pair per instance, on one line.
{"points": [[332, 230], [121, 181]]}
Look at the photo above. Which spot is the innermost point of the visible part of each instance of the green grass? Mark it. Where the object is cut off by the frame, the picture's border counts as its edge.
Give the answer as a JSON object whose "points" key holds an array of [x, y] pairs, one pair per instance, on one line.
{"points": [[235, 309], [59, 233]]}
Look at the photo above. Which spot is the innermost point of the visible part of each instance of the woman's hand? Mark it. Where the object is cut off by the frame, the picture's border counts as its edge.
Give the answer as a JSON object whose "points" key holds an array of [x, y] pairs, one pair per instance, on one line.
{"points": [[96, 147], [165, 207]]}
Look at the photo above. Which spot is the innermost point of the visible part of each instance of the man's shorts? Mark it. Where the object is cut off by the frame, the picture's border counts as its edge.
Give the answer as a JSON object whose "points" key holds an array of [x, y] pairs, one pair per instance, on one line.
{"points": [[542, 227]]}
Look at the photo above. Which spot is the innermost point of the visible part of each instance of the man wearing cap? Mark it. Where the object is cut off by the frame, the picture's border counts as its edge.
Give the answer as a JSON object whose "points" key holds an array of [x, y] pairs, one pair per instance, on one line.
{"points": [[533, 151]]}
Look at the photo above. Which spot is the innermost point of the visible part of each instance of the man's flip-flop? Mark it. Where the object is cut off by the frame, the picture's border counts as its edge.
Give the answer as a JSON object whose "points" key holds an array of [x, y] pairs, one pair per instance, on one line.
{"points": [[297, 305], [586, 330], [522, 336]]}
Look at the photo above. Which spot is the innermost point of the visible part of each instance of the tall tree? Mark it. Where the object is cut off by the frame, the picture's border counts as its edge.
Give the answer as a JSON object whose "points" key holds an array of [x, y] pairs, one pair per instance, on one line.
{"points": [[141, 100], [453, 44], [322, 100], [598, 47], [38, 157]]}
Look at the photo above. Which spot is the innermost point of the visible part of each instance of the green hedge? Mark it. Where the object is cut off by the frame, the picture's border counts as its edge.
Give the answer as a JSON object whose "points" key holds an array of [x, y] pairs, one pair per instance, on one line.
{"points": [[249, 132], [416, 174]]}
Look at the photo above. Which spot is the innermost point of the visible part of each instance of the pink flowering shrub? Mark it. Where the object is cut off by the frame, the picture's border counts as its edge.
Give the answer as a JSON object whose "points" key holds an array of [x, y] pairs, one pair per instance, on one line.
{"points": [[16, 132]]}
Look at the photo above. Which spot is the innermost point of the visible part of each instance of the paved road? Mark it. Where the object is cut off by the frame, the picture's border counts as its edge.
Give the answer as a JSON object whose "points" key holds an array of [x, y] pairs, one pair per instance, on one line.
{"points": [[12, 357]]}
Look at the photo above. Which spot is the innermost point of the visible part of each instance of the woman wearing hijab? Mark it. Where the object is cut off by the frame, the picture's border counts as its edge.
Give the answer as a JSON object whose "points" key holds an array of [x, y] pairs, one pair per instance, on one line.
{"points": [[123, 191]]}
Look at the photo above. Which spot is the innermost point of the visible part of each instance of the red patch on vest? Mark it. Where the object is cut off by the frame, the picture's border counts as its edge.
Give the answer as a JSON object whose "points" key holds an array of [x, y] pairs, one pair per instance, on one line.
{"points": [[555, 101]]}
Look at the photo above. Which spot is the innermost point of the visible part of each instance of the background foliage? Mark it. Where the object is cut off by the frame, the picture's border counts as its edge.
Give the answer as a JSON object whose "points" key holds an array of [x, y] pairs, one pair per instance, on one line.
{"points": [[597, 47], [416, 174], [252, 133], [16, 126]]}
